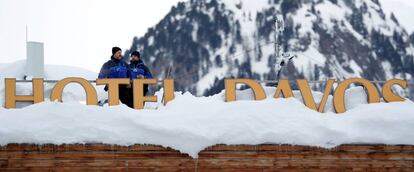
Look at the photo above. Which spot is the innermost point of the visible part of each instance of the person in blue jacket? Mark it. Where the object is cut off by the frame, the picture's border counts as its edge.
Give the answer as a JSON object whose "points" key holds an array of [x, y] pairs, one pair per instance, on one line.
{"points": [[116, 68], [138, 70]]}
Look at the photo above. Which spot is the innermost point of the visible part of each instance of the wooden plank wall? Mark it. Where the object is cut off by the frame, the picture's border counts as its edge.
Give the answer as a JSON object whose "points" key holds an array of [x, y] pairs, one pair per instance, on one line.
{"points": [[103, 157]]}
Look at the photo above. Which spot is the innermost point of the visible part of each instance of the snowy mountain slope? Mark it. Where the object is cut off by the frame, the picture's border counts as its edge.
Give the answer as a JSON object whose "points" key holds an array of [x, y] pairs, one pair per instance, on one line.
{"points": [[209, 40]]}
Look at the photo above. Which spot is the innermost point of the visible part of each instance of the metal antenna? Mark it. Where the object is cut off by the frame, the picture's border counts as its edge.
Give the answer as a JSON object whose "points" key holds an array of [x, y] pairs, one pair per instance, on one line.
{"points": [[286, 57], [279, 28]]}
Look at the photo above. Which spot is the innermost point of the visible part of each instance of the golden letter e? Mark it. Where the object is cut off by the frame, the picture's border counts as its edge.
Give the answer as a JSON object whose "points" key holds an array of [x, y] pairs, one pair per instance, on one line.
{"points": [[138, 91]]}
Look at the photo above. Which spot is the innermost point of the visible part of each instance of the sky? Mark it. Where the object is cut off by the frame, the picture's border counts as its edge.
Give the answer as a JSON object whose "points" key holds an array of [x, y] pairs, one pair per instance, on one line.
{"points": [[76, 32], [402, 9], [82, 32]]}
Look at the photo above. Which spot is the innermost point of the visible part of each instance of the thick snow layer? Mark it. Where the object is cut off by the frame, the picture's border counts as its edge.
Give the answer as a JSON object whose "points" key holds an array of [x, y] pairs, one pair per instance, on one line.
{"points": [[190, 124]]}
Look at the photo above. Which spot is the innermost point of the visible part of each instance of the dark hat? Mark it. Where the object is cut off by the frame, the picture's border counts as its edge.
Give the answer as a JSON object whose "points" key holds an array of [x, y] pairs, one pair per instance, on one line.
{"points": [[115, 49], [136, 53]]}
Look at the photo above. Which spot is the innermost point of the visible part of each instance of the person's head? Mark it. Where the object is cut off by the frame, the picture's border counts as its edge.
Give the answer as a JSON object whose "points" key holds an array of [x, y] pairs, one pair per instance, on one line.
{"points": [[117, 53], [135, 56]]}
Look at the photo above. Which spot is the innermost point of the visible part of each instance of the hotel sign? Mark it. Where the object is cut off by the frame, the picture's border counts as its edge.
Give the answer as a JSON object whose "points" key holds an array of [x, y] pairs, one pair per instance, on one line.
{"points": [[283, 90]]}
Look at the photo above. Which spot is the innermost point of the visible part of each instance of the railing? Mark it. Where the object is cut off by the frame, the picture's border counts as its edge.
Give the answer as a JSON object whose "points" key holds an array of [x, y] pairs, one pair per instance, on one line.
{"points": [[408, 92], [261, 81], [319, 85]]}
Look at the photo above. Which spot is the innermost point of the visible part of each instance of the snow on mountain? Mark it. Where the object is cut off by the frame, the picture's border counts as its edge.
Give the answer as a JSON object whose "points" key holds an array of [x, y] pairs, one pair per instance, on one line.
{"points": [[209, 40]]}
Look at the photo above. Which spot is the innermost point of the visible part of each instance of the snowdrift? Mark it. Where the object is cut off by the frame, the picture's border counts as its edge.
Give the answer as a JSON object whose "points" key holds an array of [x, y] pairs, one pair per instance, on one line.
{"points": [[190, 124]]}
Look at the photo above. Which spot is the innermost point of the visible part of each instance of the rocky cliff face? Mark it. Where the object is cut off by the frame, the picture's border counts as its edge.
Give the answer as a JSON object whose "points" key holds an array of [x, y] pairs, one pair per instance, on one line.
{"points": [[208, 40]]}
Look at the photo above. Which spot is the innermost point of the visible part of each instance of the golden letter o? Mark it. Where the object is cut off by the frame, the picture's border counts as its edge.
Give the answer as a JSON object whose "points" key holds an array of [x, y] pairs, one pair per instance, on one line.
{"points": [[339, 94], [91, 95]]}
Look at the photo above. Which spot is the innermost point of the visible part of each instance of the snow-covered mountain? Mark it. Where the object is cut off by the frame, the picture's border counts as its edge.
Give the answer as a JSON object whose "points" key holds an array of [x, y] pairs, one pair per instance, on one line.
{"points": [[208, 40]]}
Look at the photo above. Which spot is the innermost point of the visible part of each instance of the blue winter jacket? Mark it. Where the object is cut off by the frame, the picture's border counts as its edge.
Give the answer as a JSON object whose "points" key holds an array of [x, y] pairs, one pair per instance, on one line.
{"points": [[139, 68], [114, 68]]}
